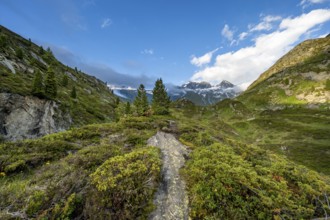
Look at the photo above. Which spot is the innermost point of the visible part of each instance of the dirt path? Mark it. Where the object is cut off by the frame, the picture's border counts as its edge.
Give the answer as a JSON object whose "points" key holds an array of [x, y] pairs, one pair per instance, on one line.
{"points": [[171, 198]]}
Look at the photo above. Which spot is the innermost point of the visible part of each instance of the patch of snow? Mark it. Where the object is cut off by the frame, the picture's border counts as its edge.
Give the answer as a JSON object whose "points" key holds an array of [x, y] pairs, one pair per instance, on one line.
{"points": [[117, 93]]}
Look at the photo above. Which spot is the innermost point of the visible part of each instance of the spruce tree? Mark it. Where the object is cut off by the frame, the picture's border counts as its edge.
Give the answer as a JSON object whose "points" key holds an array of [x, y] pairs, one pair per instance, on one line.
{"points": [[41, 50], [117, 101], [160, 100], [37, 88], [141, 101], [74, 93], [50, 85], [127, 108], [65, 80]]}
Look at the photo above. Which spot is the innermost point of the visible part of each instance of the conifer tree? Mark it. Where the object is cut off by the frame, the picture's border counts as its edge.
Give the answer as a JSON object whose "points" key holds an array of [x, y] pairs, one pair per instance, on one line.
{"points": [[37, 88], [160, 101], [117, 101], [127, 108], [74, 93], [141, 101], [65, 80], [50, 85], [41, 50]]}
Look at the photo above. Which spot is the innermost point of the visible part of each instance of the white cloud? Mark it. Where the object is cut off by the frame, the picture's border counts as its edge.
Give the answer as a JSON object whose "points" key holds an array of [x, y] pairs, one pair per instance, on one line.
{"points": [[242, 36], [106, 22], [265, 24], [305, 3], [147, 51], [227, 33], [248, 63], [205, 59], [322, 35]]}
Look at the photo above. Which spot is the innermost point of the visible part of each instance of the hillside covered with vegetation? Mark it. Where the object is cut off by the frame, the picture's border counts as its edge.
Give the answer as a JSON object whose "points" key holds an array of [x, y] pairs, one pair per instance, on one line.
{"points": [[250, 158], [86, 98], [300, 78], [108, 171]]}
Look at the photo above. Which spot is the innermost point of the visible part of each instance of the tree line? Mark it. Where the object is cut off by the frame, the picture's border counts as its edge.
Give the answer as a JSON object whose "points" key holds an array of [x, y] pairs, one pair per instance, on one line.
{"points": [[160, 102], [159, 106], [48, 88]]}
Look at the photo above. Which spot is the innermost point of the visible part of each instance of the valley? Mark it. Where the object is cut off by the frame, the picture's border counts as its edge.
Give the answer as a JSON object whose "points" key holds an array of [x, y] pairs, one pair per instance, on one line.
{"points": [[204, 152]]}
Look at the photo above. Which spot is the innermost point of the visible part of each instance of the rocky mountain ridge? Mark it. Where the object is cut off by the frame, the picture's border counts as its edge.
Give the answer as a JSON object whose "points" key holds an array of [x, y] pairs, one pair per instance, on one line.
{"points": [[200, 93]]}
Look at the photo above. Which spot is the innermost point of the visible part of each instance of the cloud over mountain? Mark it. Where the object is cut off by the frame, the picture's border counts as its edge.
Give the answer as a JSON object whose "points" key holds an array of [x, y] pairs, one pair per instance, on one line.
{"points": [[244, 65], [101, 70]]}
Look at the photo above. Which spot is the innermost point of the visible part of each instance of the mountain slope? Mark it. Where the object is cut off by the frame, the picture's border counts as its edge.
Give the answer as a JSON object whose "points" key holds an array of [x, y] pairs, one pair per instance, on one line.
{"points": [[299, 78], [20, 59]]}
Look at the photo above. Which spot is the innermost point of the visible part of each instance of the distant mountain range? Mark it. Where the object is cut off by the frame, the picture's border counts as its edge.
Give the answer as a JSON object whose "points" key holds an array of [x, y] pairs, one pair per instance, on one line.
{"points": [[200, 93]]}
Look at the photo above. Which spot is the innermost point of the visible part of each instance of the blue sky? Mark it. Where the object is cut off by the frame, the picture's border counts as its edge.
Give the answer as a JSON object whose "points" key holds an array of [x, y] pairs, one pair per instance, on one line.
{"points": [[136, 41]]}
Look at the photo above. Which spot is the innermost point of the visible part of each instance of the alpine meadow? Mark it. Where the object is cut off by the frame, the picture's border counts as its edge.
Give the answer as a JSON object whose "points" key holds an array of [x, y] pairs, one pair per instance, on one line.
{"points": [[106, 111]]}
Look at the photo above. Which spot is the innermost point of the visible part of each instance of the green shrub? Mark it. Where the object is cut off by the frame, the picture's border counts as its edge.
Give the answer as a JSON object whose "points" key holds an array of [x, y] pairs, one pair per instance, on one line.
{"points": [[240, 181], [126, 184], [19, 53], [35, 203], [70, 206], [327, 84]]}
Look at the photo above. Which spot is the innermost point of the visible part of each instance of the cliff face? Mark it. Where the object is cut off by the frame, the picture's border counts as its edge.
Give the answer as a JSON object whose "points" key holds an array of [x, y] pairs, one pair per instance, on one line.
{"points": [[29, 117]]}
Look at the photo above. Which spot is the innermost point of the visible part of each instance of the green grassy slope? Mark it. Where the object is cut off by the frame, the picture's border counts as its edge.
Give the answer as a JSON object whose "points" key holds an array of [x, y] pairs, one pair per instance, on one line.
{"points": [[300, 78], [231, 175], [301, 134], [94, 103], [94, 172], [106, 171]]}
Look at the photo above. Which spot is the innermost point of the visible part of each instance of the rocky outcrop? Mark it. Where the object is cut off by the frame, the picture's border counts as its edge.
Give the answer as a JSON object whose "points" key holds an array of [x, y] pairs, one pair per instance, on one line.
{"points": [[171, 198], [30, 117]]}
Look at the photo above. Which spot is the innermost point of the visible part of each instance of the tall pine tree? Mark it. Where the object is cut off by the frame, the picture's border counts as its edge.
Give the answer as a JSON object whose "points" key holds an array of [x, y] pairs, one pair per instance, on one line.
{"points": [[65, 80], [50, 85], [37, 88], [160, 101], [127, 108], [141, 101]]}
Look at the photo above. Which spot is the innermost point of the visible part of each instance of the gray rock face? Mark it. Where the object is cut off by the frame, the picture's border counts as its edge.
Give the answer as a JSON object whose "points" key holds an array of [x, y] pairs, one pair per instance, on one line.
{"points": [[171, 198], [30, 117]]}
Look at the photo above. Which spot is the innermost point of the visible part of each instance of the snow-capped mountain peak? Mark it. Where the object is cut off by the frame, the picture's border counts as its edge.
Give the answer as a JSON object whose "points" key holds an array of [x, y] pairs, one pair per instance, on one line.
{"points": [[201, 93]]}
